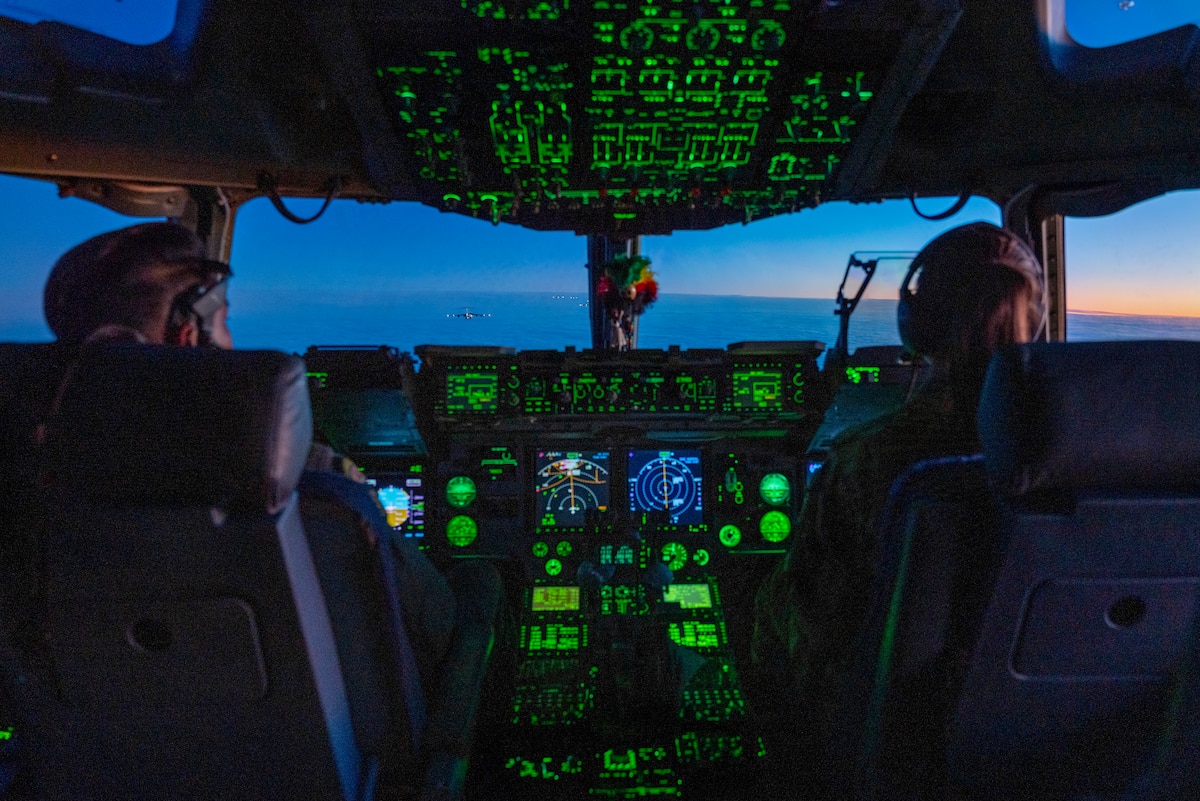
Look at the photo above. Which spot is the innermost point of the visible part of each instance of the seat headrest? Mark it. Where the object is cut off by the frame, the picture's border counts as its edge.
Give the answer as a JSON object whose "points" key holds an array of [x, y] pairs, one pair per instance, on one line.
{"points": [[1093, 416], [147, 425]]}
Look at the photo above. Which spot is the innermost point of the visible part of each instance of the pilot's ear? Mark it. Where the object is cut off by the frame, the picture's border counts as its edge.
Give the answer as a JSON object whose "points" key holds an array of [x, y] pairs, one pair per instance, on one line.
{"points": [[187, 335]]}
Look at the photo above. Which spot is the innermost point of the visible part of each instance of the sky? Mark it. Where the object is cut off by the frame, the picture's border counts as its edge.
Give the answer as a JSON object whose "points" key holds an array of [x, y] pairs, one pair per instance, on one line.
{"points": [[1100, 23], [1140, 261]]}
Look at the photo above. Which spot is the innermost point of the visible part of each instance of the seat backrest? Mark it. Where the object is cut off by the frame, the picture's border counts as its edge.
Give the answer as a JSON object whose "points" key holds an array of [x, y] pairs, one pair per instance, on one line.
{"points": [[186, 650], [1094, 451], [938, 545], [1032, 605]]}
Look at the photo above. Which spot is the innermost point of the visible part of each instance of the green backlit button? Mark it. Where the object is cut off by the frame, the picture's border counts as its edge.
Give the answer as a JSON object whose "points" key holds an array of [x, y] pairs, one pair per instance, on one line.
{"points": [[563, 549], [700, 557], [461, 531], [731, 480], [540, 549], [553, 567], [775, 526], [460, 491], [675, 555], [729, 535], [775, 489]]}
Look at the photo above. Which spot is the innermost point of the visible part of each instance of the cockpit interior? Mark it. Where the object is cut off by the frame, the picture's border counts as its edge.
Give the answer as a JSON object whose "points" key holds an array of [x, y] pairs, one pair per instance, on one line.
{"points": [[632, 500]]}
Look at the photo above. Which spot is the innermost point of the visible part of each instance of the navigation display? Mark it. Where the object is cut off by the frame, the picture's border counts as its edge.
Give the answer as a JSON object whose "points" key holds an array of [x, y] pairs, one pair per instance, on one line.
{"points": [[667, 481], [470, 389], [570, 483], [402, 496], [757, 389]]}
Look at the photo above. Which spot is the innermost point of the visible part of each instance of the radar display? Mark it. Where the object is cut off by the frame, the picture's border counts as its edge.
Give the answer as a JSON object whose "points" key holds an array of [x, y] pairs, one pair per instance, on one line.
{"points": [[666, 481], [569, 484]]}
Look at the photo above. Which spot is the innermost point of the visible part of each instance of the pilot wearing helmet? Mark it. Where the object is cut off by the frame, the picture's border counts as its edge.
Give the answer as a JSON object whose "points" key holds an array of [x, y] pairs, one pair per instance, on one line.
{"points": [[977, 287]]}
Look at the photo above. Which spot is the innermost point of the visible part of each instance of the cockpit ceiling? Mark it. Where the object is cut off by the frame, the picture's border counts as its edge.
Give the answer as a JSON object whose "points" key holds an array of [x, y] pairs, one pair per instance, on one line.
{"points": [[616, 116], [658, 114]]}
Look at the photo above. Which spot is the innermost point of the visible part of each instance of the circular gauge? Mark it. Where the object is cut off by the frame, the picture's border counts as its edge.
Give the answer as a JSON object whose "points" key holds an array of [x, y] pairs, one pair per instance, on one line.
{"points": [[396, 504], [461, 531], [675, 555], [666, 484], [563, 549], [775, 526], [769, 36], [775, 489], [729, 535], [570, 486], [703, 37], [637, 37], [460, 491], [700, 557], [553, 567], [540, 549]]}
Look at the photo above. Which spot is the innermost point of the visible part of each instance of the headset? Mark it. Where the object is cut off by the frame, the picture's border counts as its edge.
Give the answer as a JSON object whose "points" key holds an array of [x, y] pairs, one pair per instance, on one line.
{"points": [[920, 331], [201, 304]]}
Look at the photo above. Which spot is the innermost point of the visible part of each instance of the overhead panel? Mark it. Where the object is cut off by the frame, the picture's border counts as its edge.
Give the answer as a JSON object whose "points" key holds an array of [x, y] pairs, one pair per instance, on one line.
{"points": [[624, 116]]}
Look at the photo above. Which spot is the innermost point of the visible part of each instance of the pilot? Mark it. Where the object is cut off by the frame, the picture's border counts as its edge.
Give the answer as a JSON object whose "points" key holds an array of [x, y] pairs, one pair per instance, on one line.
{"points": [[149, 283], [152, 283], [978, 287]]}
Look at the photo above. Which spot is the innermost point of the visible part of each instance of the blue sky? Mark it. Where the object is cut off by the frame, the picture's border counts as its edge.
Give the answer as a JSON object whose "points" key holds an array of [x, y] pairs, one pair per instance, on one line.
{"points": [[1142, 261], [1099, 23]]}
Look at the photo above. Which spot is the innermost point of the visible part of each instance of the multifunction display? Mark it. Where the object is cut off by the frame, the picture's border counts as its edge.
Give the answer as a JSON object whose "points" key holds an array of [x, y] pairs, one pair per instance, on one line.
{"points": [[402, 496], [668, 482], [569, 484]]}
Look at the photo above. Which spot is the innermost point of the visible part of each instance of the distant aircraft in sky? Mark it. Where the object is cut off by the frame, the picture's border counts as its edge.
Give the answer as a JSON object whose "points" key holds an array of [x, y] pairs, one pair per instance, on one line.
{"points": [[467, 314]]}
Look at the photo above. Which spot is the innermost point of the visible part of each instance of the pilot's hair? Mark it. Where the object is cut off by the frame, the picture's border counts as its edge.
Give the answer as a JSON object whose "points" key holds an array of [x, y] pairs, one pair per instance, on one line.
{"points": [[978, 287], [129, 278]]}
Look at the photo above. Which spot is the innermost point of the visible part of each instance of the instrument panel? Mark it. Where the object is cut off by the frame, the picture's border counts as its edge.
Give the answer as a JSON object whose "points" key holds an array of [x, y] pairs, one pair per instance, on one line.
{"points": [[633, 502], [483, 387]]}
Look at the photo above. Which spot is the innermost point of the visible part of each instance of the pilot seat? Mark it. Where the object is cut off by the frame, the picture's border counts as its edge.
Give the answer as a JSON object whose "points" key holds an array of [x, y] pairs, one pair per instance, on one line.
{"points": [[1033, 605], [198, 627]]}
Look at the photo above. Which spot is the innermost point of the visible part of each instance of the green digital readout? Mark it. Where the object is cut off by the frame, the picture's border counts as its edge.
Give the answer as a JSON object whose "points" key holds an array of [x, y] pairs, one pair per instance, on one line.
{"points": [[555, 599], [694, 634], [757, 389], [689, 596], [553, 637], [862, 375], [775, 489], [461, 531], [460, 491], [470, 390], [775, 526]]}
